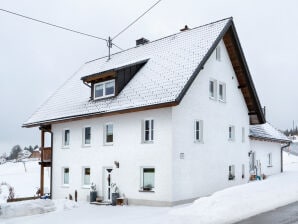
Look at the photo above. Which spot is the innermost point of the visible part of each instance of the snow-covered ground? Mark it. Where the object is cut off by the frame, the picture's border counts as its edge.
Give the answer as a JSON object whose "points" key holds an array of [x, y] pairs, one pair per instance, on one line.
{"points": [[226, 206], [23, 177]]}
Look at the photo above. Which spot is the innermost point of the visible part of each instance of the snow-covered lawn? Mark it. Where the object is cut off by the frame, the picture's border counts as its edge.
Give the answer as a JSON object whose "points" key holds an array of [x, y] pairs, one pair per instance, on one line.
{"points": [[23, 177], [226, 206]]}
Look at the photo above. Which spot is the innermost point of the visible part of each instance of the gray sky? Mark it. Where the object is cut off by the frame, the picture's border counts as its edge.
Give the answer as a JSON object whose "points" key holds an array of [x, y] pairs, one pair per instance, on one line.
{"points": [[36, 59]]}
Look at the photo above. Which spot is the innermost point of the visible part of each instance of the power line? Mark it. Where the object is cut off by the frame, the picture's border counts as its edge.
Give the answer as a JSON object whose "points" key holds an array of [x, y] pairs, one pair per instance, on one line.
{"points": [[53, 25], [136, 20]]}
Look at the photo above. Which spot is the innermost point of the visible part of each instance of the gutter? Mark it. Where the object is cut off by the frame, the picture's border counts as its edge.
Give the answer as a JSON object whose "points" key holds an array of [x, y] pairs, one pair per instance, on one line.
{"points": [[281, 156]]}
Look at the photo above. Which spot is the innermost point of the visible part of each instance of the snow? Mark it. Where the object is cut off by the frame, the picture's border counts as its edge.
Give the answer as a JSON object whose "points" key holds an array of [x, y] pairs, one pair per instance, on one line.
{"points": [[23, 177], [172, 62], [267, 131], [226, 206]]}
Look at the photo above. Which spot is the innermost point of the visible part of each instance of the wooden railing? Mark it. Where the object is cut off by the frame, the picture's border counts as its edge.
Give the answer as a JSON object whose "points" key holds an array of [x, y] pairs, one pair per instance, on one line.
{"points": [[47, 154]]}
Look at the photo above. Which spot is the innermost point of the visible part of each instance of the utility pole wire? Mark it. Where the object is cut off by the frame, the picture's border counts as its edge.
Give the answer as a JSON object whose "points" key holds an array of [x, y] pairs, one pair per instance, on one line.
{"points": [[136, 20], [50, 24]]}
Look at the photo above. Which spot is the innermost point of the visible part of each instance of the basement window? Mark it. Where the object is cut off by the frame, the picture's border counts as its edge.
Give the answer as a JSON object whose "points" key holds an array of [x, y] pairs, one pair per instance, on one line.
{"points": [[231, 172], [104, 89]]}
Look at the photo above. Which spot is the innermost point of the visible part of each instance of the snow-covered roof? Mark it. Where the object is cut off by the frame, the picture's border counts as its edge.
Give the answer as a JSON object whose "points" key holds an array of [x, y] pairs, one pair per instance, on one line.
{"points": [[267, 132], [172, 64]]}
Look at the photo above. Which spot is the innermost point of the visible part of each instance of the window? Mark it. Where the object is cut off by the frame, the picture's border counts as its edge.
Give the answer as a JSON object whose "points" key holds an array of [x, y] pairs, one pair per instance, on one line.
{"points": [[87, 136], [147, 179], [86, 176], [212, 88], [181, 155], [222, 92], [109, 134], [198, 131], [269, 159], [231, 133], [104, 89], [243, 134], [65, 178], [243, 171], [231, 172], [217, 53], [66, 135], [148, 130]]}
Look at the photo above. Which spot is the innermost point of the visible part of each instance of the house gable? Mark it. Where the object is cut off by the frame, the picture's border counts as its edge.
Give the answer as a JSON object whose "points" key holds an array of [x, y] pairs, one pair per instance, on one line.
{"points": [[231, 40]]}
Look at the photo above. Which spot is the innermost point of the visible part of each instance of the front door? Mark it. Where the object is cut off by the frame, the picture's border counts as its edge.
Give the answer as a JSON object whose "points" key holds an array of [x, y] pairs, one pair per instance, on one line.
{"points": [[107, 181], [252, 161]]}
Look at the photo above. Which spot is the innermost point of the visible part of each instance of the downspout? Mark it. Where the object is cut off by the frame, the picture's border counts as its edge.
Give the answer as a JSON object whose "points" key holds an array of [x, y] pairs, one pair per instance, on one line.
{"points": [[281, 156]]}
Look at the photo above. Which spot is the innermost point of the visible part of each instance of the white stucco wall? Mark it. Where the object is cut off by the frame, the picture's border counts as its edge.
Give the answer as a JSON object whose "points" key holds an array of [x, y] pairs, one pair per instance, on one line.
{"points": [[205, 167], [262, 149], [128, 149]]}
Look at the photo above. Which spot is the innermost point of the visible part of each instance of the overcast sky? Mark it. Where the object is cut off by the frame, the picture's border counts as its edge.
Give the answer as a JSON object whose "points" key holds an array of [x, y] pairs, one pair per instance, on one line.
{"points": [[37, 59]]}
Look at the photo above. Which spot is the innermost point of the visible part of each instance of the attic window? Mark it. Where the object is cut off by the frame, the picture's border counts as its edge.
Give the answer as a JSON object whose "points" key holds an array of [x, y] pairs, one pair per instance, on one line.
{"points": [[104, 89]]}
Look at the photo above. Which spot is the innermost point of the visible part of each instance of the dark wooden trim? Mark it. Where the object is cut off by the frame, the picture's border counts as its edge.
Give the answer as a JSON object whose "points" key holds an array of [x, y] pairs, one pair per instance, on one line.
{"points": [[22, 199], [103, 114]]}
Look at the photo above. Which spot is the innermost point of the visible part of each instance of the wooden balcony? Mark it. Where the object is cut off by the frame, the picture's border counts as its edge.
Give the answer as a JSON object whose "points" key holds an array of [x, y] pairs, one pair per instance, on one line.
{"points": [[46, 156]]}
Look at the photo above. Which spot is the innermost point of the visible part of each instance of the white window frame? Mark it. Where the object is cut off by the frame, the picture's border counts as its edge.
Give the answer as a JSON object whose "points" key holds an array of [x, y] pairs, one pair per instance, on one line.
{"points": [[104, 95], [151, 130], [84, 136], [142, 178], [243, 134], [269, 157], [105, 134], [223, 98], [231, 133], [200, 131], [231, 175], [63, 177], [218, 53], [63, 138], [214, 84], [84, 185]]}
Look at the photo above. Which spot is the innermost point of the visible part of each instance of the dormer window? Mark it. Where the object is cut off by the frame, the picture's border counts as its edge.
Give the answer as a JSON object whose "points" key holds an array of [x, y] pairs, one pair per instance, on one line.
{"points": [[104, 89]]}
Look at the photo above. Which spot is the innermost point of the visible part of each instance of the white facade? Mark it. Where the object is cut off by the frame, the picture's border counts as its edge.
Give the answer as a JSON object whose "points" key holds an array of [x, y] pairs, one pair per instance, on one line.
{"points": [[206, 165], [202, 168], [128, 149], [262, 149]]}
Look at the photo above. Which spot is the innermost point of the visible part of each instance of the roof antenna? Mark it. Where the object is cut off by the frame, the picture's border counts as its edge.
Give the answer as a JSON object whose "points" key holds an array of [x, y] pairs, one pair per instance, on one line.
{"points": [[110, 40]]}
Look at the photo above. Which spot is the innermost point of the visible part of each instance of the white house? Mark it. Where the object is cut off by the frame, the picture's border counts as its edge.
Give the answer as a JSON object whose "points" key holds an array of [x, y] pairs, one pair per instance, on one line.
{"points": [[267, 144], [167, 121]]}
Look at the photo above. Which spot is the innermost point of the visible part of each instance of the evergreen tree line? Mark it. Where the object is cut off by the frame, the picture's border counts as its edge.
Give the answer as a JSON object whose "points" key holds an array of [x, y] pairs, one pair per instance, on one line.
{"points": [[292, 131], [17, 149]]}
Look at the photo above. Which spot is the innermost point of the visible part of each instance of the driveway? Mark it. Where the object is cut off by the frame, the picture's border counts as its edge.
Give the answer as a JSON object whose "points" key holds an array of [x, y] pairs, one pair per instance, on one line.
{"points": [[283, 215]]}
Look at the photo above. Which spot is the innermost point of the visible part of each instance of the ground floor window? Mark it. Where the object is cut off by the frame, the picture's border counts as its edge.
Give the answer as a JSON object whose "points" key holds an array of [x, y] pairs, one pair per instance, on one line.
{"points": [[147, 179], [65, 179], [231, 172], [86, 176]]}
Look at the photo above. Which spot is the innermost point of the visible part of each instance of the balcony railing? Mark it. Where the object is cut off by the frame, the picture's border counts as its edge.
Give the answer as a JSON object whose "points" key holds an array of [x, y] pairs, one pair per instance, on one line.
{"points": [[47, 154]]}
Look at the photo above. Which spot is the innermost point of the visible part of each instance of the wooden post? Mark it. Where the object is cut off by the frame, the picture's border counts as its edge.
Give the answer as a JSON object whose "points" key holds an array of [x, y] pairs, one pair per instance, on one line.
{"points": [[41, 165]]}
